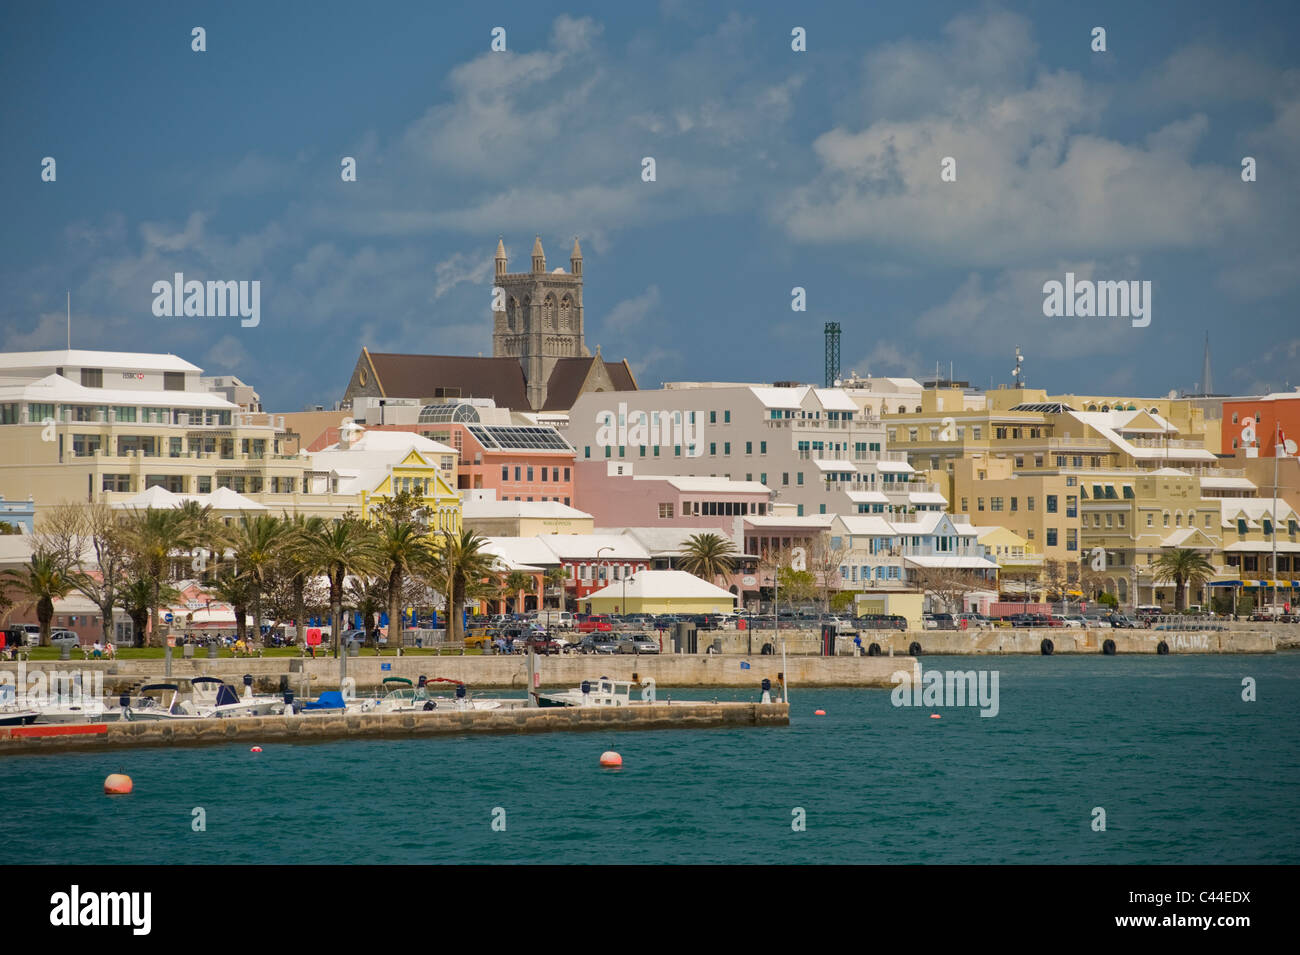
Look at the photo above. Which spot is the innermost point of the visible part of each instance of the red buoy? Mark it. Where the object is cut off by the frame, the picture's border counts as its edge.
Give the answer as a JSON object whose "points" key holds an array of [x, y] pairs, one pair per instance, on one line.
{"points": [[256, 749], [819, 713], [611, 759], [118, 784]]}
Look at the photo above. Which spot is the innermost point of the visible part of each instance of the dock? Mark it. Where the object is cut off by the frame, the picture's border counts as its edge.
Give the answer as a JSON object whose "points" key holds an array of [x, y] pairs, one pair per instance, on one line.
{"points": [[322, 728]]}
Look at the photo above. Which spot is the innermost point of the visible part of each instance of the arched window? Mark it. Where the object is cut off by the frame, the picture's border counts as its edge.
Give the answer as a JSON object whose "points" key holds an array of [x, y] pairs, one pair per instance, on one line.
{"points": [[512, 314], [566, 314], [1166, 518], [548, 312], [1178, 520]]}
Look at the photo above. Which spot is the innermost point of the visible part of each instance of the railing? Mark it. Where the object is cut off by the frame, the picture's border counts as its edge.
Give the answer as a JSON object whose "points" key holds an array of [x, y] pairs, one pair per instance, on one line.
{"points": [[1099, 443], [1177, 444]]}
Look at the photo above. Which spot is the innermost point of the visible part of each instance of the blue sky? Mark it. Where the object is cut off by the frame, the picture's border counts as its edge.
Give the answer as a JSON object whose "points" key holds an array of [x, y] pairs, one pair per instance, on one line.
{"points": [[775, 169]]}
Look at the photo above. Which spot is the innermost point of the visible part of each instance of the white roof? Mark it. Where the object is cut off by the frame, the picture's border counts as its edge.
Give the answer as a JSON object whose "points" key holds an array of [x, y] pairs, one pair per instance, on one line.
{"points": [[1109, 423], [836, 465], [1253, 509], [817, 521], [83, 358], [663, 584], [693, 484], [782, 398], [224, 499], [835, 399], [868, 524], [520, 553], [867, 497], [392, 443], [159, 498], [901, 467], [588, 546], [927, 497], [1227, 483], [520, 509], [57, 389], [950, 562]]}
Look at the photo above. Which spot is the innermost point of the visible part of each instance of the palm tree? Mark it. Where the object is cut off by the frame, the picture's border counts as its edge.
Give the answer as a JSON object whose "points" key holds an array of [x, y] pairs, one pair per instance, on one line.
{"points": [[556, 578], [340, 549], [516, 583], [42, 581], [257, 544], [237, 590], [1184, 566], [134, 598], [207, 532], [299, 528], [461, 570], [708, 556], [402, 543], [152, 536]]}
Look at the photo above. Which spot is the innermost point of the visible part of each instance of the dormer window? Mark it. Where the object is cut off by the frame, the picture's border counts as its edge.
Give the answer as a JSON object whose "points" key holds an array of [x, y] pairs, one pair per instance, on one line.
{"points": [[92, 378]]}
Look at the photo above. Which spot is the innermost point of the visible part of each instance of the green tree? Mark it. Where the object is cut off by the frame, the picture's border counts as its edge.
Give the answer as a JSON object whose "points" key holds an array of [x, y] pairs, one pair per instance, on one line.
{"points": [[517, 584], [43, 580], [461, 570], [340, 549], [556, 578], [708, 556], [233, 588], [1184, 566], [256, 544], [402, 543], [153, 536]]}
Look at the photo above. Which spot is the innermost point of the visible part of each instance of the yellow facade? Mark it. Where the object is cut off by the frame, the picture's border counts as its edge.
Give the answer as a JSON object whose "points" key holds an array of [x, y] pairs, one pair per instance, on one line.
{"points": [[418, 475]]}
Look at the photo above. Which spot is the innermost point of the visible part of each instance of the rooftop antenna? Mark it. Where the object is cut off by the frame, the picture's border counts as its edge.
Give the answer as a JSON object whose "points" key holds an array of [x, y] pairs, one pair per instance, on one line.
{"points": [[69, 319], [1017, 374]]}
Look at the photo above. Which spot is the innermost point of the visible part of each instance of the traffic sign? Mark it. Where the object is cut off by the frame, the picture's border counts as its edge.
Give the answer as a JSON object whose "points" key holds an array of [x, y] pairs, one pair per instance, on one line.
{"points": [[167, 617]]}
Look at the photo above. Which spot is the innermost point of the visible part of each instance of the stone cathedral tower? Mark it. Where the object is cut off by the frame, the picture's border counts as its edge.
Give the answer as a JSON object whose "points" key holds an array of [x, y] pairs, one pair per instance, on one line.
{"points": [[542, 321]]}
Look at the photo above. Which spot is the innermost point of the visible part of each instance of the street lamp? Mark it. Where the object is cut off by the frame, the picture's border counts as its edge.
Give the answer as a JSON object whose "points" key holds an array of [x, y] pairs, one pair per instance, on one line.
{"points": [[601, 551]]}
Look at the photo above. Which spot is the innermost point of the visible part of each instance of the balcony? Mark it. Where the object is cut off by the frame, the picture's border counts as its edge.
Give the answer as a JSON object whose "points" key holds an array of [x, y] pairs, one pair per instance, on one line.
{"points": [[1081, 444], [1175, 444]]}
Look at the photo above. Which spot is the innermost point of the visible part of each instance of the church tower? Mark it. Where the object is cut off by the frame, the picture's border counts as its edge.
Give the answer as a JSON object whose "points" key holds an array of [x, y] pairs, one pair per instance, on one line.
{"points": [[541, 320]]}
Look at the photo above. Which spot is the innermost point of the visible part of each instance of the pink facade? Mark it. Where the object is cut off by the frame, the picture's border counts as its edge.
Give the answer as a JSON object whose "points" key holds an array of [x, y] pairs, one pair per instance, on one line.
{"points": [[621, 500]]}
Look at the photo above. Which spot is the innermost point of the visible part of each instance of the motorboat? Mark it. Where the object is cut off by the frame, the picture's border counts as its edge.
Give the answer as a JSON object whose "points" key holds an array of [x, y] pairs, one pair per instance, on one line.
{"points": [[166, 706], [11, 714], [210, 696], [402, 696], [600, 692]]}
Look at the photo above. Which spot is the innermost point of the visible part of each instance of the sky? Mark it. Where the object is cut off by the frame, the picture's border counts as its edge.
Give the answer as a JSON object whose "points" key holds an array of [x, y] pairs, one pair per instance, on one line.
{"points": [[774, 169]]}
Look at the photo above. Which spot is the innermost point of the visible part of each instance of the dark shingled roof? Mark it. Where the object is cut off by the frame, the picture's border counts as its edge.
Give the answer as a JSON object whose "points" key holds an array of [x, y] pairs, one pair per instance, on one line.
{"points": [[416, 376], [568, 375]]}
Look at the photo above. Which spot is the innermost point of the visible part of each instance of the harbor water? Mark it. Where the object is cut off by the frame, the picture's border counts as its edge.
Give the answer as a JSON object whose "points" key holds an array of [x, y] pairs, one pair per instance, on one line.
{"points": [[1182, 767]]}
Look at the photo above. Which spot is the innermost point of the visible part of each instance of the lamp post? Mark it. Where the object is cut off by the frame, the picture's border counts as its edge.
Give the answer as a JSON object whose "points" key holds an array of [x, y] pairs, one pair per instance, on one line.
{"points": [[599, 552]]}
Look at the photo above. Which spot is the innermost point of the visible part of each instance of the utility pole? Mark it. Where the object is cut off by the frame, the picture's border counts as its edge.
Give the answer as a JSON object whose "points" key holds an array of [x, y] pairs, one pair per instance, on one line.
{"points": [[1277, 432]]}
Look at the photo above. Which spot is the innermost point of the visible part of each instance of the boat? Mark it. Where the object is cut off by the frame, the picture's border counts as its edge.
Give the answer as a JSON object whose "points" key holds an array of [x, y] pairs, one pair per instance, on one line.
{"points": [[599, 692], [165, 707], [213, 697], [402, 696], [11, 714]]}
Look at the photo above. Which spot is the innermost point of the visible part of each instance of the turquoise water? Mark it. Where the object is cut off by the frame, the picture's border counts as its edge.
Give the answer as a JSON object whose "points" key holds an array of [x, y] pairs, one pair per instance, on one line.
{"points": [[1185, 770]]}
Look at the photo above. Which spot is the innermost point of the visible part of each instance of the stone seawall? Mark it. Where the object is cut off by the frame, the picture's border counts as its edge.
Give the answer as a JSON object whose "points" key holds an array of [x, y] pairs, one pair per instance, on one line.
{"points": [[307, 678], [324, 728]]}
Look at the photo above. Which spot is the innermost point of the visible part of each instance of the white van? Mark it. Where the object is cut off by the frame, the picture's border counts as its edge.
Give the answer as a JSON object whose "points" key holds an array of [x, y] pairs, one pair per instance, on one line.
{"points": [[553, 619]]}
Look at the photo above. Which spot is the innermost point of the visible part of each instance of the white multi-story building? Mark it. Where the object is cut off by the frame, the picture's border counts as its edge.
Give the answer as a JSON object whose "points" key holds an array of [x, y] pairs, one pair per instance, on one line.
{"points": [[815, 447]]}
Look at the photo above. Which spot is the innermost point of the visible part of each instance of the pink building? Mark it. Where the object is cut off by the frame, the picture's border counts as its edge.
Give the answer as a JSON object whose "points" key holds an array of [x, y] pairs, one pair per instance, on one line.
{"points": [[615, 496]]}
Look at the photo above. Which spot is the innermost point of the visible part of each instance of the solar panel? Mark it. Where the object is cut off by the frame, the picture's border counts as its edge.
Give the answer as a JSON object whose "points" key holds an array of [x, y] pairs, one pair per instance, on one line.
{"points": [[519, 438], [1050, 407]]}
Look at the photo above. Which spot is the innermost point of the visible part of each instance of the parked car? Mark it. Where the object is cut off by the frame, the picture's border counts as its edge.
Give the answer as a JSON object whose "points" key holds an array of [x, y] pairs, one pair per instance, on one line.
{"points": [[596, 622], [944, 621], [1074, 621], [636, 643], [22, 634], [540, 642], [1121, 622], [64, 638], [597, 642]]}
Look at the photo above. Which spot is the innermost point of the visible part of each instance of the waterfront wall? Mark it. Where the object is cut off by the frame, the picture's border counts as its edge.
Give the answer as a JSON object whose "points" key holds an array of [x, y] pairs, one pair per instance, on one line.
{"points": [[265, 730]]}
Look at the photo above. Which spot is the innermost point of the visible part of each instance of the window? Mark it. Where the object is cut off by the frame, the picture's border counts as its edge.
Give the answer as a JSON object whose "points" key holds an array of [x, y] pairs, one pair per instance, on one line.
{"points": [[37, 412], [1038, 460], [544, 473], [713, 417], [530, 467], [749, 447], [1071, 506], [173, 381], [762, 447], [979, 503], [762, 478], [205, 484], [666, 511], [1051, 504], [975, 431], [995, 504], [1150, 521], [713, 448], [726, 417], [1051, 537], [519, 470], [1121, 520], [586, 453], [911, 434], [1071, 539], [1166, 518], [799, 479], [1029, 503], [1015, 503], [965, 505], [785, 478], [726, 447], [92, 378], [117, 482]]}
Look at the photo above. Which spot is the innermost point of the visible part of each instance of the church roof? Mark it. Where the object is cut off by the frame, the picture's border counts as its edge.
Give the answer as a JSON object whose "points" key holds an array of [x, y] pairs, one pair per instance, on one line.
{"points": [[569, 375], [417, 376]]}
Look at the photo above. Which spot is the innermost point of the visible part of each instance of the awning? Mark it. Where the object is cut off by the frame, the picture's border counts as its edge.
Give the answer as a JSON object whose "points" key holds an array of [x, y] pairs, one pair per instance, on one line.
{"points": [[1224, 583]]}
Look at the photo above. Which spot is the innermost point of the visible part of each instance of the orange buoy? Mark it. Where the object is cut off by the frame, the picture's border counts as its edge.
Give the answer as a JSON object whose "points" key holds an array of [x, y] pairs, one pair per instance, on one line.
{"points": [[610, 758], [819, 713], [118, 784], [256, 749], [935, 716]]}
